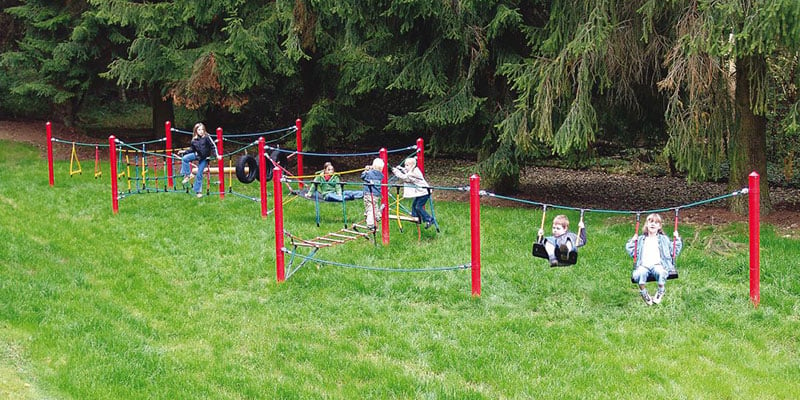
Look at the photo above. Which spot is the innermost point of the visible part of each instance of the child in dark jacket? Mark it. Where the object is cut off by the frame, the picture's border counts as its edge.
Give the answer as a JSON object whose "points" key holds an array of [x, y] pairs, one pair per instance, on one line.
{"points": [[200, 149], [372, 177]]}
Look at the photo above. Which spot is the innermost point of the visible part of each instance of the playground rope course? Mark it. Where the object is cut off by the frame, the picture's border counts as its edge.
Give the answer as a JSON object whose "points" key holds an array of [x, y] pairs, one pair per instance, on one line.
{"points": [[473, 189]]}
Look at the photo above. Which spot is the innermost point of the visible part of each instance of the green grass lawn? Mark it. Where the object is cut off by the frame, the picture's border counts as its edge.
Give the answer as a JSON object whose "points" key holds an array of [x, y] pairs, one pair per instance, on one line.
{"points": [[176, 298]]}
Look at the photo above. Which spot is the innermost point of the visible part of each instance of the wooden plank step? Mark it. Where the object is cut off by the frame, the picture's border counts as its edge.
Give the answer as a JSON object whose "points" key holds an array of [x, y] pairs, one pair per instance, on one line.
{"points": [[404, 218], [329, 239], [354, 232]]}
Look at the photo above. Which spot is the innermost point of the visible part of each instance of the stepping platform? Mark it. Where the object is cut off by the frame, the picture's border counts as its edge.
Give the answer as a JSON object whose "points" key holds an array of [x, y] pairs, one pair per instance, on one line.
{"points": [[404, 218], [328, 240]]}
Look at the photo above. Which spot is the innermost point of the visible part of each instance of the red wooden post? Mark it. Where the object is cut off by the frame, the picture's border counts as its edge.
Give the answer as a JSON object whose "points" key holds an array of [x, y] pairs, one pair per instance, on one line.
{"points": [[168, 135], [220, 164], [754, 193], [421, 155], [262, 176], [50, 152], [278, 195], [475, 234], [385, 197], [299, 138], [112, 158]]}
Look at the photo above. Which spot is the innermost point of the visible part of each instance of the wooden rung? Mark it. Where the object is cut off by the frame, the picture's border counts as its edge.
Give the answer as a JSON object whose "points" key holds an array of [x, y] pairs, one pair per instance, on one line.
{"points": [[317, 244], [342, 236], [302, 244], [309, 243], [329, 239], [404, 218], [354, 232]]}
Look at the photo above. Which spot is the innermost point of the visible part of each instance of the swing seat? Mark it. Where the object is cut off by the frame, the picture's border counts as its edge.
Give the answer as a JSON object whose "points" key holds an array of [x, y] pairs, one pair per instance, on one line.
{"points": [[672, 275], [564, 260]]}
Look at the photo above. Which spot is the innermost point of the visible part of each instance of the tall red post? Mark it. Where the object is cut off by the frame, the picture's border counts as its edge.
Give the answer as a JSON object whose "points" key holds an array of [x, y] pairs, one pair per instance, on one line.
{"points": [[168, 135], [754, 192], [112, 159], [50, 152], [220, 164], [475, 232], [421, 155], [262, 176], [277, 188], [299, 138], [384, 155]]}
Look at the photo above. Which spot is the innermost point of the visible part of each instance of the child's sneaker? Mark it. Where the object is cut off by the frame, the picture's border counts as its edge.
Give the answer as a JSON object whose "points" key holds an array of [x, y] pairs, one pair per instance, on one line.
{"points": [[657, 298], [647, 299]]}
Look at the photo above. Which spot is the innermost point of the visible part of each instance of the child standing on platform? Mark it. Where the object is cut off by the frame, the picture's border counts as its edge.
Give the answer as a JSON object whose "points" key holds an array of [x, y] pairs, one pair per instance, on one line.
{"points": [[373, 177]]}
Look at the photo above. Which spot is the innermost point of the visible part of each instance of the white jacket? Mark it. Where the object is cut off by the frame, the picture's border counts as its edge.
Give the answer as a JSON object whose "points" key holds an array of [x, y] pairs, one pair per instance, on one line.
{"points": [[415, 183]]}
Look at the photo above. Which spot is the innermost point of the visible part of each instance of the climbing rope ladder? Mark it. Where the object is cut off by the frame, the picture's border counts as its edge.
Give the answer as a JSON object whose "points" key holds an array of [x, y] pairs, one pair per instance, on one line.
{"points": [[330, 239]]}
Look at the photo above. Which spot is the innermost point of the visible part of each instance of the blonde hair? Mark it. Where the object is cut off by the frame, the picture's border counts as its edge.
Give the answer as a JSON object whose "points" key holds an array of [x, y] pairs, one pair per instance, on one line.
{"points": [[196, 127], [562, 220], [377, 164], [655, 217], [410, 162]]}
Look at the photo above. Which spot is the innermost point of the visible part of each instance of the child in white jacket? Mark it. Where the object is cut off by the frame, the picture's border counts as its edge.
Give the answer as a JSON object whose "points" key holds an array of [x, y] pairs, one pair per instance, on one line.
{"points": [[415, 187]]}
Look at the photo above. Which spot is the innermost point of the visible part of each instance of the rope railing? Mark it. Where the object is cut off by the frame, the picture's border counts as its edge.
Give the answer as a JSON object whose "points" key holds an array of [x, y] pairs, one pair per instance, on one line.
{"points": [[655, 210], [290, 130], [307, 153]]}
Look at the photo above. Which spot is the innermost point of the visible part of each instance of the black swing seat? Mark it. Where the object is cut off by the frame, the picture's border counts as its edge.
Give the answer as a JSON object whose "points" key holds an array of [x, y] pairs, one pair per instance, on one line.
{"points": [[564, 260], [672, 275]]}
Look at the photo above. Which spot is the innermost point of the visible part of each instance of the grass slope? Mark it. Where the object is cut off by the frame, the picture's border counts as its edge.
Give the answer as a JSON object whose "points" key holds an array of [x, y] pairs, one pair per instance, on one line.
{"points": [[176, 297]]}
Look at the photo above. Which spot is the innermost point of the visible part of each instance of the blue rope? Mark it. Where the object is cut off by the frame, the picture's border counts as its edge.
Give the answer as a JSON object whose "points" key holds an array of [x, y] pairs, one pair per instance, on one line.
{"points": [[79, 143], [697, 203], [372, 153], [291, 129]]}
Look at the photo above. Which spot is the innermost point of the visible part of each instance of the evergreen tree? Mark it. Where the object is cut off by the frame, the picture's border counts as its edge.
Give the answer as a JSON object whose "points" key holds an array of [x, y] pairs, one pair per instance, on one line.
{"points": [[59, 56], [690, 48], [203, 55]]}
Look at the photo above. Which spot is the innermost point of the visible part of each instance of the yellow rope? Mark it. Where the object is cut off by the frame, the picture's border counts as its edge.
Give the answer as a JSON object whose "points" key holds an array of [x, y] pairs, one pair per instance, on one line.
{"points": [[128, 167], [97, 172], [74, 157]]}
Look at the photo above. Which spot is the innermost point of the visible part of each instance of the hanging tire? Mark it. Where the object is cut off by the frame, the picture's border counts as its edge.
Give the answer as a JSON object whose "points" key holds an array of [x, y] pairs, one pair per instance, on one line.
{"points": [[249, 163]]}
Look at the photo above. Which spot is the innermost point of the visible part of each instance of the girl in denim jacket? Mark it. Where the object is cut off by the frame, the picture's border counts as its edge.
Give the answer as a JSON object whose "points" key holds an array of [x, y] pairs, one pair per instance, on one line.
{"points": [[654, 257]]}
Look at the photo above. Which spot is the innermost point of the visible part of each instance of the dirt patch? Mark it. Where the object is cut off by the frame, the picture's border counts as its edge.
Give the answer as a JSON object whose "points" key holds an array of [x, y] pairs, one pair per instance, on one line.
{"points": [[594, 190]]}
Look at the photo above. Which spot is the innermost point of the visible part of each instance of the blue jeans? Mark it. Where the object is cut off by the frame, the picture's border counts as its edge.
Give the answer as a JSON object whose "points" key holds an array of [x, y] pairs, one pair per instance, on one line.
{"points": [[418, 209], [641, 273], [186, 169]]}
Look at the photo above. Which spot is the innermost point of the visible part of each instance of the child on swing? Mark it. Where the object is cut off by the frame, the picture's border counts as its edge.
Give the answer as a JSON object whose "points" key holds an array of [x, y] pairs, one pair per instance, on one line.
{"points": [[653, 252], [373, 177], [563, 239]]}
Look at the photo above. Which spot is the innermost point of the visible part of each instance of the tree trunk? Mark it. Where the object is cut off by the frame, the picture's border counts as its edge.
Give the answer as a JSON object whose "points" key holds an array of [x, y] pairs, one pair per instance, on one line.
{"points": [[162, 111], [748, 142]]}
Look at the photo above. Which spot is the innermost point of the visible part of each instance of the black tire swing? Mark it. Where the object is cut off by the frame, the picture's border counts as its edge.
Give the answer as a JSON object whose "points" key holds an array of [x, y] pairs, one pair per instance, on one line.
{"points": [[246, 169], [247, 166], [539, 250], [672, 274]]}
